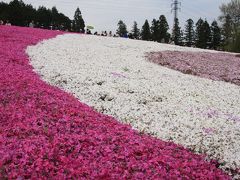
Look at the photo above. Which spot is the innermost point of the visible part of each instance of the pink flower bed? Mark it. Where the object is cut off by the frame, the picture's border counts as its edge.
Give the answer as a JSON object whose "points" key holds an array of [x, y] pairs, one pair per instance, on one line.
{"points": [[47, 133], [215, 66]]}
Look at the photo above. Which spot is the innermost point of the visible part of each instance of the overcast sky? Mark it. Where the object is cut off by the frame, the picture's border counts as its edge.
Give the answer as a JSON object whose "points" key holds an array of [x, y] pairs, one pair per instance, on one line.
{"points": [[105, 14]]}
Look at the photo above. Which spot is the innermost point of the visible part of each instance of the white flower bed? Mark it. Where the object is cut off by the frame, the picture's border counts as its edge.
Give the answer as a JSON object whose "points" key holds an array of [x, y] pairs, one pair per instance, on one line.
{"points": [[112, 75]]}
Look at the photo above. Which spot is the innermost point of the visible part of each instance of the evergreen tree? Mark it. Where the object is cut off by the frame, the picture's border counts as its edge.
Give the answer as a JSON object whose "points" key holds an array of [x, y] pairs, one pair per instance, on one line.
{"points": [[177, 35], [146, 33], [135, 31], [30, 14], [189, 33], [4, 15], [155, 31], [203, 34], [64, 22], [16, 12], [122, 29], [199, 33], [216, 35], [207, 34], [181, 39], [54, 21], [168, 37], [163, 30], [79, 23], [43, 17]]}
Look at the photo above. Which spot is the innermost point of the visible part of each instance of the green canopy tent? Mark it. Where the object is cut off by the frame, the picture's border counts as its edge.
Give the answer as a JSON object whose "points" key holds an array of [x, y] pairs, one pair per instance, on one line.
{"points": [[90, 27]]}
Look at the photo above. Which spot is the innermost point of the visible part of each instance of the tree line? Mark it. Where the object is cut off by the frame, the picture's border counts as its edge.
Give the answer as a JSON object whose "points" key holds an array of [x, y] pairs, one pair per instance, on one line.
{"points": [[200, 34], [225, 36], [18, 13]]}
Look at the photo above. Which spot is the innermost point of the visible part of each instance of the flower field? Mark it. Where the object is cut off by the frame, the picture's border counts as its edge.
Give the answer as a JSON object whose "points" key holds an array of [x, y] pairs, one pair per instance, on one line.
{"points": [[48, 133], [114, 77]]}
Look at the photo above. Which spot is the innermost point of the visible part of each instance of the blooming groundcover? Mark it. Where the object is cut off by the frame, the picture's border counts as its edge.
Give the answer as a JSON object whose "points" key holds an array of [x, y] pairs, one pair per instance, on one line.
{"points": [[47, 133], [215, 66], [113, 76]]}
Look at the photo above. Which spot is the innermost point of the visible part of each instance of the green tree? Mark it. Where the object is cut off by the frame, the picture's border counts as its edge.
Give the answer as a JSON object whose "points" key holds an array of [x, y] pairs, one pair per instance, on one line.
{"points": [[16, 13], [189, 33], [164, 36], [65, 22], [79, 23], [231, 9], [230, 18], [44, 17], [216, 35], [207, 34], [122, 29], [227, 32], [54, 19], [199, 33], [146, 33], [235, 46], [135, 31], [203, 34], [168, 37], [4, 15], [177, 35], [21, 14], [155, 31], [30, 14]]}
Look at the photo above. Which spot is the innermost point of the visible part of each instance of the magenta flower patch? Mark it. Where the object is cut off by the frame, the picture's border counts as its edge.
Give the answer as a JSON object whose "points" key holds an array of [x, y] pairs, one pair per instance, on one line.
{"points": [[46, 133]]}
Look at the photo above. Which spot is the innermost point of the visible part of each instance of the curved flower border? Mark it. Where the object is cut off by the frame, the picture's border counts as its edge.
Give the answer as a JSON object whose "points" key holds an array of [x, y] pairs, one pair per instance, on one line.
{"points": [[47, 133]]}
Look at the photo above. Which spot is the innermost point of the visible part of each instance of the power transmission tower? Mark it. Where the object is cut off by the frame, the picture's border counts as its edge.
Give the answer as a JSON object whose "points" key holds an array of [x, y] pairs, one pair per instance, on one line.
{"points": [[175, 8]]}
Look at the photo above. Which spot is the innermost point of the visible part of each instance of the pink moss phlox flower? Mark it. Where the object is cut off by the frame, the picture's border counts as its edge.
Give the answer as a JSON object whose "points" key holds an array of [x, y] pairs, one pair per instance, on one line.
{"points": [[215, 66], [233, 117], [118, 75], [209, 130]]}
